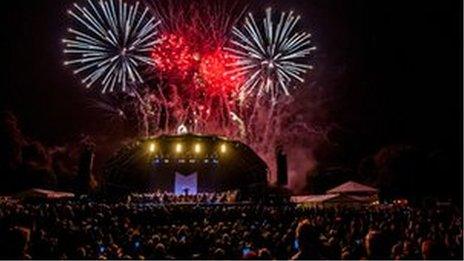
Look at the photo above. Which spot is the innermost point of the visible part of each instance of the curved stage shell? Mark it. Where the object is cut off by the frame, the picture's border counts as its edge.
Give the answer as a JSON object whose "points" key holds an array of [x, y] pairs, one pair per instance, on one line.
{"points": [[187, 163]]}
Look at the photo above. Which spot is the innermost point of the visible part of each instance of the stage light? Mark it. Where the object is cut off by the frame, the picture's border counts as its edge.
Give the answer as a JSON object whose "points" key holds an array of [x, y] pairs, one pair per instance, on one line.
{"points": [[197, 148], [178, 147], [152, 147], [223, 148]]}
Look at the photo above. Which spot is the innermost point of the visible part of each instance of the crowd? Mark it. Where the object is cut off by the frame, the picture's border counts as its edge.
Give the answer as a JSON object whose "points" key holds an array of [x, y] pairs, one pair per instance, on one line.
{"points": [[162, 197], [133, 230]]}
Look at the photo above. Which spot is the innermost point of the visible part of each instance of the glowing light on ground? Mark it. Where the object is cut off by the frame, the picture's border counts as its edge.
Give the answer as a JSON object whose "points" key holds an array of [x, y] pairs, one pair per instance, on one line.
{"points": [[152, 147], [197, 148], [223, 148], [179, 148]]}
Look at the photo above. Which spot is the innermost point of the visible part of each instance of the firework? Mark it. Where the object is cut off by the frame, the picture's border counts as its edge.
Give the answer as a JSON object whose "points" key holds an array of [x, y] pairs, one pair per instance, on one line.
{"points": [[111, 43], [213, 71], [173, 58], [190, 51], [191, 65], [270, 56]]}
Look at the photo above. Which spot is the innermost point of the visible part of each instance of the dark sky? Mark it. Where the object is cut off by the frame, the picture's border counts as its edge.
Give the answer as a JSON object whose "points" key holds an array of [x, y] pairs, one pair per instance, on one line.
{"points": [[397, 65]]}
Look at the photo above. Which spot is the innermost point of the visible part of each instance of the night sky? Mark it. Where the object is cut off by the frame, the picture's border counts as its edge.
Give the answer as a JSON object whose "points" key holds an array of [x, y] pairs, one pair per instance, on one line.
{"points": [[391, 70]]}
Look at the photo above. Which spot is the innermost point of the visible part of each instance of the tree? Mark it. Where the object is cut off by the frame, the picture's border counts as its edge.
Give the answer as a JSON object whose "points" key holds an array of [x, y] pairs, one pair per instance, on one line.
{"points": [[401, 171]]}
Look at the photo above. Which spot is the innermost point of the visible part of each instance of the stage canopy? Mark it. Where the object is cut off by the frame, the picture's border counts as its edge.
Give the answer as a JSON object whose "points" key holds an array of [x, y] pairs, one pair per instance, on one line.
{"points": [[189, 163]]}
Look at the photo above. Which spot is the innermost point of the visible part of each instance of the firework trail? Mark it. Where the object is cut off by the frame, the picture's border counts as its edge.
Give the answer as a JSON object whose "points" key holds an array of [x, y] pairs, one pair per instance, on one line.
{"points": [[108, 109], [111, 44], [207, 24]]}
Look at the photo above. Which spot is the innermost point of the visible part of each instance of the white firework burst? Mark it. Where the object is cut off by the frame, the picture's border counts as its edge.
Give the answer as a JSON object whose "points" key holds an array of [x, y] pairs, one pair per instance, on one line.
{"points": [[271, 56], [111, 43]]}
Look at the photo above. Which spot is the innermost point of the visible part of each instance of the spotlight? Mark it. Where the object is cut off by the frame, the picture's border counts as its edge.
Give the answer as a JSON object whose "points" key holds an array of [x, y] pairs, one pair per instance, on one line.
{"points": [[178, 147], [223, 148], [197, 148], [152, 147]]}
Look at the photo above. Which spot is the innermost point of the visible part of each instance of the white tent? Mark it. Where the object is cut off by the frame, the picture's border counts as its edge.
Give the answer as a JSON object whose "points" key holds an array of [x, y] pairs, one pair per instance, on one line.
{"points": [[354, 188], [37, 193], [312, 199], [329, 200]]}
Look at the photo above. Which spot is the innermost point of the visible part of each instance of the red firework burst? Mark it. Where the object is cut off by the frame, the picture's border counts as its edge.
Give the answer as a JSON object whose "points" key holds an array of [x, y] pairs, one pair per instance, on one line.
{"points": [[190, 62], [173, 57], [213, 70], [191, 49], [176, 59]]}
